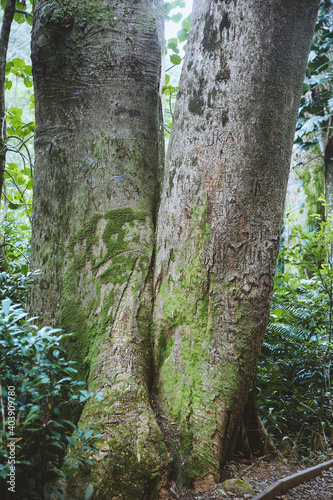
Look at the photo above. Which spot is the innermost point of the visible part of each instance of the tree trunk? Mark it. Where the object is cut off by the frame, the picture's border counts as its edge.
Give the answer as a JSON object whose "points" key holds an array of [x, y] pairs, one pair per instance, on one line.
{"points": [[220, 218], [329, 174], [99, 155]]}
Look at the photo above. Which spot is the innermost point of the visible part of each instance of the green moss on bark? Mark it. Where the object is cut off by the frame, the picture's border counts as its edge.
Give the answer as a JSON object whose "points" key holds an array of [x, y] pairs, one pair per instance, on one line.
{"points": [[196, 106], [132, 453], [210, 39], [92, 268]]}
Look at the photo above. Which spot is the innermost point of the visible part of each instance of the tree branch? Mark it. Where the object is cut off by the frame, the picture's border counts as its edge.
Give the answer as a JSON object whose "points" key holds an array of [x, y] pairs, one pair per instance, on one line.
{"points": [[22, 196], [19, 11], [173, 65], [14, 246]]}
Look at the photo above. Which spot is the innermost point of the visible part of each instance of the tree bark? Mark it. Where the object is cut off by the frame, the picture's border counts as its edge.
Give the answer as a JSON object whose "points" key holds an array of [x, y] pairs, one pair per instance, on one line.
{"points": [[329, 174], [99, 155], [220, 217]]}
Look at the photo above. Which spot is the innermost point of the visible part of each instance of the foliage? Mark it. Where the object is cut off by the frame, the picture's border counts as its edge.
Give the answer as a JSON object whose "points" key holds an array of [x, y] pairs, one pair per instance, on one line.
{"points": [[315, 112], [38, 394], [16, 239], [19, 165], [294, 381], [174, 47], [15, 285], [18, 176]]}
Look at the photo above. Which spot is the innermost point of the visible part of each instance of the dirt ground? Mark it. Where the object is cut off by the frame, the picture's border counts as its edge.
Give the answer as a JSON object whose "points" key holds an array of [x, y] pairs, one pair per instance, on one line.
{"points": [[261, 473]]}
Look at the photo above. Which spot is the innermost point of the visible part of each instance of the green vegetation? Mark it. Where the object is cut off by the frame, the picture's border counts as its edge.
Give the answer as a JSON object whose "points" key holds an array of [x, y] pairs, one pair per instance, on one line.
{"points": [[295, 390], [38, 395], [315, 110], [294, 383], [174, 47]]}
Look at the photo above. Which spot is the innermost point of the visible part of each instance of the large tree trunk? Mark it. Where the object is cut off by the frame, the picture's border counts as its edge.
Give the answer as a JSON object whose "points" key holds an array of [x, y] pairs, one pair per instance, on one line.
{"points": [[97, 73], [220, 218], [99, 154]]}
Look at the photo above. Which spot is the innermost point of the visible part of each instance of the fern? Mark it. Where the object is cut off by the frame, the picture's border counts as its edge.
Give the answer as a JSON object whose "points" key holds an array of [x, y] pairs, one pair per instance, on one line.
{"points": [[295, 390]]}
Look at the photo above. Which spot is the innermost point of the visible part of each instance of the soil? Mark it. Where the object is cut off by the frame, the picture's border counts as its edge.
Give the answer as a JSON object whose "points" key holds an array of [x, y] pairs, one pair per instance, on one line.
{"points": [[261, 473]]}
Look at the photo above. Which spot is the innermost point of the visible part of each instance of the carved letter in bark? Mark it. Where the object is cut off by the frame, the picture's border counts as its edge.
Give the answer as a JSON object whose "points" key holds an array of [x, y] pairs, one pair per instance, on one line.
{"points": [[97, 70], [220, 217]]}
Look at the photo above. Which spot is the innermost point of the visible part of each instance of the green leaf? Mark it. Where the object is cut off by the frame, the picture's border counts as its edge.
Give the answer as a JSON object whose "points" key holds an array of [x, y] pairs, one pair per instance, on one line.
{"points": [[98, 435], [6, 306], [172, 41], [19, 18], [99, 396], [28, 81], [176, 17], [28, 69], [15, 111], [9, 66], [79, 433], [182, 35], [18, 64], [175, 59], [24, 269], [87, 434], [57, 445], [3, 473], [76, 460], [71, 441], [186, 23]]}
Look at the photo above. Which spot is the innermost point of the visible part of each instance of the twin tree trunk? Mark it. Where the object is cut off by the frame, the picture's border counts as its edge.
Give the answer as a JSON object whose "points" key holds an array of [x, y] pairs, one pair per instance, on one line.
{"points": [[168, 316]]}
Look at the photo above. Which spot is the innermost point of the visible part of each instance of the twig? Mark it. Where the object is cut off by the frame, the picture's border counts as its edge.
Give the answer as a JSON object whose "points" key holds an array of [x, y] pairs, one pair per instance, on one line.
{"points": [[11, 245], [17, 151], [24, 144], [304, 163], [19, 11], [22, 195], [254, 463], [173, 65]]}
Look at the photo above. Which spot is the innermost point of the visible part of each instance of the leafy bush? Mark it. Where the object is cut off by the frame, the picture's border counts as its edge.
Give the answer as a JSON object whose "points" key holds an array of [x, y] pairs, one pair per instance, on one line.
{"points": [[37, 395], [14, 284], [317, 101], [294, 382]]}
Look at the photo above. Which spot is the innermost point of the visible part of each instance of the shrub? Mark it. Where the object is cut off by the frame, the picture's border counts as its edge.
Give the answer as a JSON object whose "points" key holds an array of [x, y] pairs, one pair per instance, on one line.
{"points": [[37, 393], [14, 284]]}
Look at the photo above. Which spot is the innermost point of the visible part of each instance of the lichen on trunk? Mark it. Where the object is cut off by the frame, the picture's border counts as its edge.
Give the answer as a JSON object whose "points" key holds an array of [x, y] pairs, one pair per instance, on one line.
{"points": [[99, 155], [220, 218], [205, 299]]}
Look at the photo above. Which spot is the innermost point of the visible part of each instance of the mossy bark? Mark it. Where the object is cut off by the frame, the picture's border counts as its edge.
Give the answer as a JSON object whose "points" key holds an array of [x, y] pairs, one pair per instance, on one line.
{"points": [[98, 162], [99, 156], [220, 218]]}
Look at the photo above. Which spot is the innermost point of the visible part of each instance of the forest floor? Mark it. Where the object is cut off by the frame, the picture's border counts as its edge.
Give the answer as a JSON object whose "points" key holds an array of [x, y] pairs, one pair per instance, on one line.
{"points": [[261, 473]]}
